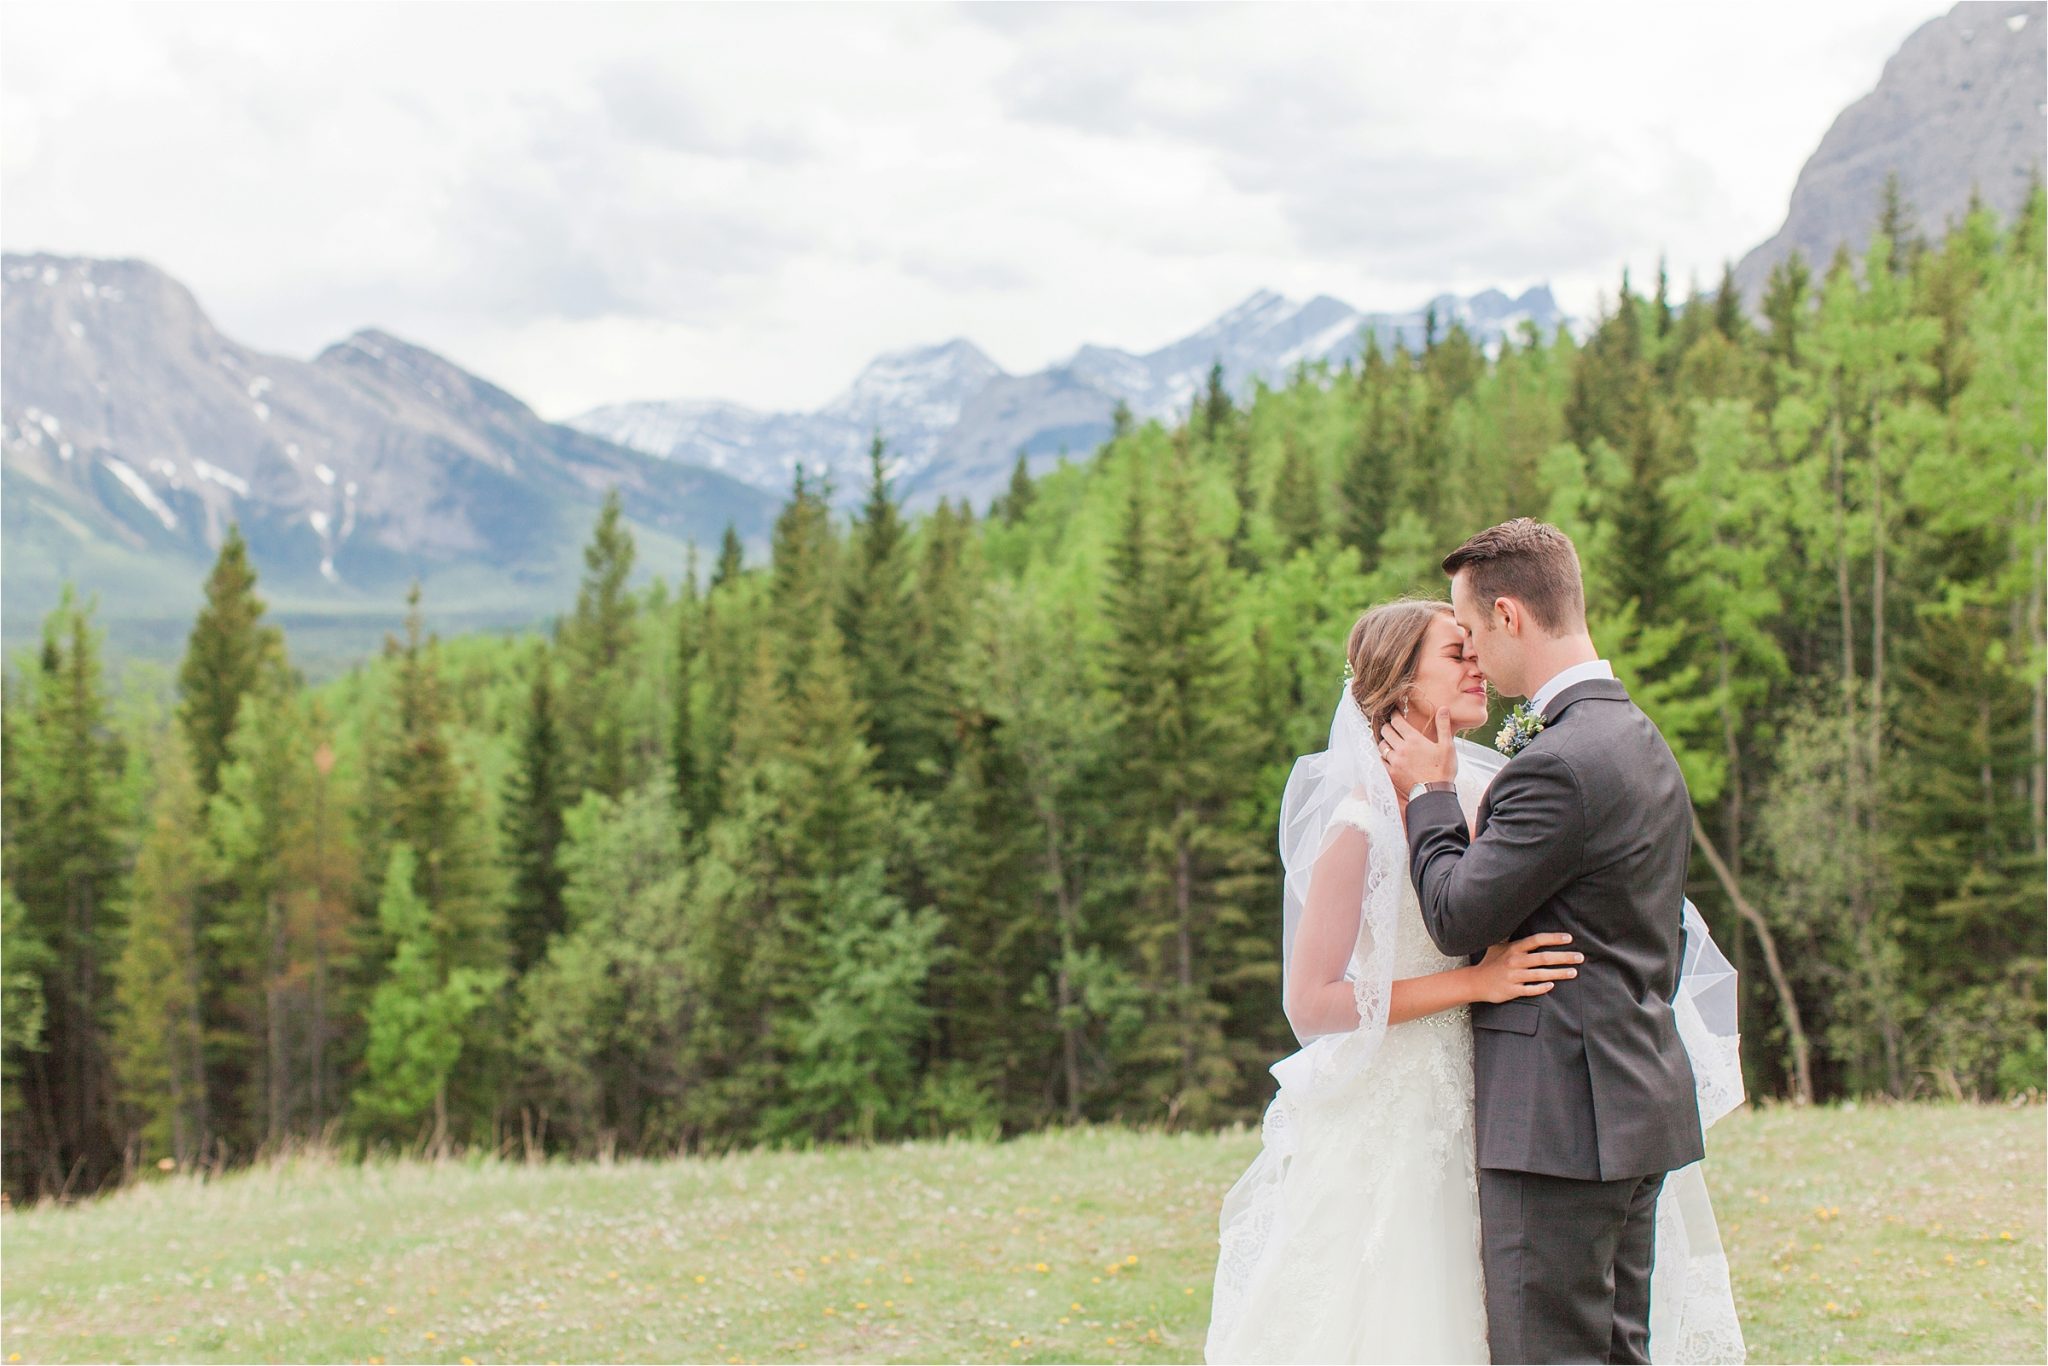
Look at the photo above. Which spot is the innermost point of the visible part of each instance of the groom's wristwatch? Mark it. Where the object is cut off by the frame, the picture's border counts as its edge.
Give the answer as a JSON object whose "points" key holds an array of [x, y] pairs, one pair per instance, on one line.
{"points": [[1440, 785]]}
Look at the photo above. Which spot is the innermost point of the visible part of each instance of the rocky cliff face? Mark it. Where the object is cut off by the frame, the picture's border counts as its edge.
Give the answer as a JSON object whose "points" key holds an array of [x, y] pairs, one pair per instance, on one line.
{"points": [[1962, 108]]}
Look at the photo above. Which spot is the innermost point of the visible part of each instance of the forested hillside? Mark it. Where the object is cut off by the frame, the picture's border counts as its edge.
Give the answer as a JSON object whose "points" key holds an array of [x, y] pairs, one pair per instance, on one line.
{"points": [[966, 823]]}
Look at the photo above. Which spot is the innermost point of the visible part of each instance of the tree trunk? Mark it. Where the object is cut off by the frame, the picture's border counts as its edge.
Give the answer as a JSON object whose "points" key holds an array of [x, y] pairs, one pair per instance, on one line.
{"points": [[320, 913], [1842, 563], [2037, 621], [1183, 910], [319, 1039], [1731, 812], [195, 1023], [275, 1068], [1877, 588], [1795, 1031]]}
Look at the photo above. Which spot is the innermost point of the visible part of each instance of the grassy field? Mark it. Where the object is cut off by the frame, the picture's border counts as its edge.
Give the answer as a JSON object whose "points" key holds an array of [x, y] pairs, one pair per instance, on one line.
{"points": [[1873, 1234]]}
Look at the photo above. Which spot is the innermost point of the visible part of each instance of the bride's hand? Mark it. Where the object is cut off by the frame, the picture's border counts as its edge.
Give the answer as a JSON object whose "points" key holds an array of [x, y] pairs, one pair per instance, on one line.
{"points": [[1524, 967]]}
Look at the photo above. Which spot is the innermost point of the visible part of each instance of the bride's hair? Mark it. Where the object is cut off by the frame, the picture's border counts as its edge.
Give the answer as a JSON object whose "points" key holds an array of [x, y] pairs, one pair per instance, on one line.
{"points": [[1384, 650]]}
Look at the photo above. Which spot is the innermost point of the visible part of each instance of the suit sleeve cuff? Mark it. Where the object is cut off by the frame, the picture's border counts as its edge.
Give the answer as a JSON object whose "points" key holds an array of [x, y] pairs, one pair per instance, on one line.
{"points": [[1436, 808]]}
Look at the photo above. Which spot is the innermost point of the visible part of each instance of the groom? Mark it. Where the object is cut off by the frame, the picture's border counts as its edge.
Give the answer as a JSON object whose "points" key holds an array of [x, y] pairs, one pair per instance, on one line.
{"points": [[1584, 1096]]}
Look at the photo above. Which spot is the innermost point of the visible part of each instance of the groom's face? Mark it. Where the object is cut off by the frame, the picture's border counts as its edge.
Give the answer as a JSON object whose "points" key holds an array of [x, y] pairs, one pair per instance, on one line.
{"points": [[1489, 647]]}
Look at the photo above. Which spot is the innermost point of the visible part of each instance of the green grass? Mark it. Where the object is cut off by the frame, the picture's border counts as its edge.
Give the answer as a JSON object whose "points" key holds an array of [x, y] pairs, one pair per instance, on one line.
{"points": [[1891, 1234]]}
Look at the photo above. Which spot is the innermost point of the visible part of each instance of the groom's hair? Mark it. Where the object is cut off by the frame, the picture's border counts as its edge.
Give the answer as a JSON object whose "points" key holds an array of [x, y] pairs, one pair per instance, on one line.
{"points": [[1530, 561]]}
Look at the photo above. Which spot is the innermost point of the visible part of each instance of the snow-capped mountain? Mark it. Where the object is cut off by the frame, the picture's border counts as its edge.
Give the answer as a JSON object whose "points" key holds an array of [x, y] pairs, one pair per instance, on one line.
{"points": [[955, 421], [132, 432]]}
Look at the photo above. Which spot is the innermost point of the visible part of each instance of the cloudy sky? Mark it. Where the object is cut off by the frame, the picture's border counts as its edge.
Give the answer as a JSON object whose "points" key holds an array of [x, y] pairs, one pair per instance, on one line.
{"points": [[604, 202]]}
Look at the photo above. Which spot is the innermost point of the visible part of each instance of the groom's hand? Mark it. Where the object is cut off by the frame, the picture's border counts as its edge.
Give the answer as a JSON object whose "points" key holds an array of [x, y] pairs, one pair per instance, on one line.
{"points": [[1412, 757]]}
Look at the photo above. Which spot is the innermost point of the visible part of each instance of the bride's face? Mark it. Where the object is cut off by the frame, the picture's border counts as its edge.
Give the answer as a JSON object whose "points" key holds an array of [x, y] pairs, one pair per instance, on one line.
{"points": [[1448, 676]]}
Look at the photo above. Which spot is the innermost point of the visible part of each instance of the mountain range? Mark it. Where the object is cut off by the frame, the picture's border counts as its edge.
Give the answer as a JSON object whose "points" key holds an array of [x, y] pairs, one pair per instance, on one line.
{"points": [[955, 421]]}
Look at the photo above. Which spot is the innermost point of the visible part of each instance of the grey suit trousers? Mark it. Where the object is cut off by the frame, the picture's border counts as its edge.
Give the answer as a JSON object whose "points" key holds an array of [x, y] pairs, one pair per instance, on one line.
{"points": [[1550, 1242]]}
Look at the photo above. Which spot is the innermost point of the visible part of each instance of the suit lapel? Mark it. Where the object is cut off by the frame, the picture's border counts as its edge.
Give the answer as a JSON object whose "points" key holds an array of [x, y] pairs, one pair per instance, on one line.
{"points": [[1607, 688]]}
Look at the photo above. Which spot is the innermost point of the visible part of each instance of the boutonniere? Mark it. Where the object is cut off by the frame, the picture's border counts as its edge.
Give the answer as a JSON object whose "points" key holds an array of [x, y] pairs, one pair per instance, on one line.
{"points": [[1518, 730]]}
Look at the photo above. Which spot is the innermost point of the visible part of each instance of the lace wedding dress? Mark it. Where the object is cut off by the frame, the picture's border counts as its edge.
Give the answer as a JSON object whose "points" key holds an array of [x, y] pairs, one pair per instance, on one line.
{"points": [[1354, 1235]]}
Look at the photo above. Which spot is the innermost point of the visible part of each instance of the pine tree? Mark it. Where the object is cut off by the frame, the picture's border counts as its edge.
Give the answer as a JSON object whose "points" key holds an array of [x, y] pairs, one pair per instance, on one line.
{"points": [[877, 625], [597, 645], [1297, 496], [159, 1037], [1015, 504], [1787, 306], [1242, 557], [23, 1008], [327, 870], [989, 1060], [533, 825], [694, 797], [417, 1016], [225, 657], [65, 867], [261, 843], [942, 604], [1728, 319], [1895, 224], [427, 802], [802, 585], [1368, 486], [731, 558], [608, 1018], [1218, 413], [1179, 749]]}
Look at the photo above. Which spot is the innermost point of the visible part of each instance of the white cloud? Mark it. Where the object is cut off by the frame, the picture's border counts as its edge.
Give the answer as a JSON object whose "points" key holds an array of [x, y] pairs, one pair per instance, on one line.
{"points": [[588, 203]]}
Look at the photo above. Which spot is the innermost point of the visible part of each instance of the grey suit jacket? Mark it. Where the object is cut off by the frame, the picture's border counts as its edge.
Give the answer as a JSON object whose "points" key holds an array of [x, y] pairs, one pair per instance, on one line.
{"points": [[1586, 831]]}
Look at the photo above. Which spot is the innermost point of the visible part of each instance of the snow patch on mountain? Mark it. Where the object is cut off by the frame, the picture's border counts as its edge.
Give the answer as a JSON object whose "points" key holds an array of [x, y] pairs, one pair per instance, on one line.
{"points": [[144, 494], [954, 420]]}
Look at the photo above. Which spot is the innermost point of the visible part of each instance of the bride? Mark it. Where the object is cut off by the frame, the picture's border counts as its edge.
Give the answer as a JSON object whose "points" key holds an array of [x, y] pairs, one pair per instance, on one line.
{"points": [[1354, 1235]]}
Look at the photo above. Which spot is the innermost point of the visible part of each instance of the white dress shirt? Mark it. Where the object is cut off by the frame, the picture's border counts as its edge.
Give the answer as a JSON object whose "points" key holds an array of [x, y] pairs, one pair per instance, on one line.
{"points": [[1577, 673]]}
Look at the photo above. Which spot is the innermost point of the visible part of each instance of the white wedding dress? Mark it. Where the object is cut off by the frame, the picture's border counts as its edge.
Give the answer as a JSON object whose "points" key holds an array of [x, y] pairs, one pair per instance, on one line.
{"points": [[1354, 1236]]}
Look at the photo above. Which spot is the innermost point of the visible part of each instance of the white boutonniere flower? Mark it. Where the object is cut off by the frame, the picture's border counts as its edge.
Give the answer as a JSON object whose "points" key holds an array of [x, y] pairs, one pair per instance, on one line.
{"points": [[1518, 730]]}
